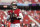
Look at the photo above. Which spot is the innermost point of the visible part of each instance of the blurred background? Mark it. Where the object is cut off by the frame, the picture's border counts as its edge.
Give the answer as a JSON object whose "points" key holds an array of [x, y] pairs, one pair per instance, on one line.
{"points": [[28, 7], [22, 4]]}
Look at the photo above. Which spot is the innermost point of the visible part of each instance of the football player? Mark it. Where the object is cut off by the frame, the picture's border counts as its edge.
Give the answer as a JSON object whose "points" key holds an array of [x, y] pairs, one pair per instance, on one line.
{"points": [[17, 14]]}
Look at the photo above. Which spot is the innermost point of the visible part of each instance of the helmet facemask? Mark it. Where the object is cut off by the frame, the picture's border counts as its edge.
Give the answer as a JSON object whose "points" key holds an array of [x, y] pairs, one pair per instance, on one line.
{"points": [[14, 7]]}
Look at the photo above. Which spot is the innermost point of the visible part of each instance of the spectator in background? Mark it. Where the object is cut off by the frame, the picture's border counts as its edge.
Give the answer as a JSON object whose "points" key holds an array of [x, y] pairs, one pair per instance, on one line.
{"points": [[24, 12], [36, 25], [27, 2], [0, 23], [5, 6], [32, 24]]}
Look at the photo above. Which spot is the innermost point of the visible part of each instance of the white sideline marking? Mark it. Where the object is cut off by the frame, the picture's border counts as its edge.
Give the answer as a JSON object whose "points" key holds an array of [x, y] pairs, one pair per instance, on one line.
{"points": [[34, 20]]}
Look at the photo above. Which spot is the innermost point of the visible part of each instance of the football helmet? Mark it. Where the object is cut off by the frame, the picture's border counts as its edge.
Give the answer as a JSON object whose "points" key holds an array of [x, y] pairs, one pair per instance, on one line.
{"points": [[14, 5]]}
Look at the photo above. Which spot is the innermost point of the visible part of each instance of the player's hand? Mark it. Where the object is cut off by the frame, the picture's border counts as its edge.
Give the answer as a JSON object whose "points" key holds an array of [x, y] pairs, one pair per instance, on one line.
{"points": [[15, 15]]}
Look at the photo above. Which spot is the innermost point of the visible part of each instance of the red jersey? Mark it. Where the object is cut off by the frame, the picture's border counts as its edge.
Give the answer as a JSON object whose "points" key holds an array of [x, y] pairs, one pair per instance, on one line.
{"points": [[17, 11]]}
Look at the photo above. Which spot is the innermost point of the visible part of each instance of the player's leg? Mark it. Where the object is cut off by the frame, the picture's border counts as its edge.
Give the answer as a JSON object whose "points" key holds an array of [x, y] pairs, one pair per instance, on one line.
{"points": [[12, 25], [17, 25]]}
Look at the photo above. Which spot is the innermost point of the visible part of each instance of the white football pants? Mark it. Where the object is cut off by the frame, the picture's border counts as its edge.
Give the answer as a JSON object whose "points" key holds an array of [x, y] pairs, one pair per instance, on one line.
{"points": [[15, 25]]}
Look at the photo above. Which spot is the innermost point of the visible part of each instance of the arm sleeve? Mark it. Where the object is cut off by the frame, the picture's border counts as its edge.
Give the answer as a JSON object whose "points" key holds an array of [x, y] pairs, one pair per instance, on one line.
{"points": [[21, 16]]}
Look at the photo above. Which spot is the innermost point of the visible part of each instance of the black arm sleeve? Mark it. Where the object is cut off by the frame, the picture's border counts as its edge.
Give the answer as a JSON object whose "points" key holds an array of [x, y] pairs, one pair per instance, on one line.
{"points": [[19, 18]]}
